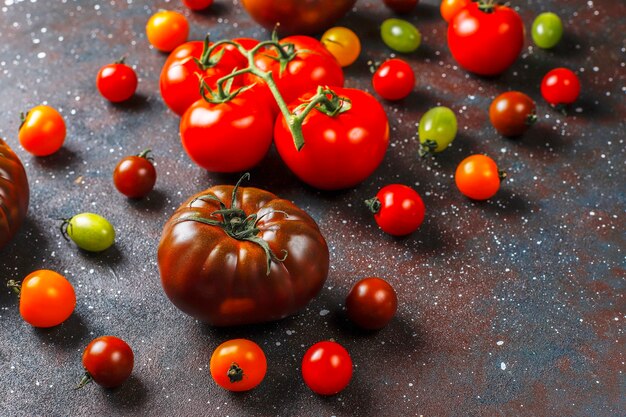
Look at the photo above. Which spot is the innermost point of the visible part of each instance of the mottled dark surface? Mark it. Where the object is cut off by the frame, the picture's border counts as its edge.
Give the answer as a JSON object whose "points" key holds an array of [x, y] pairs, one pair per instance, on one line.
{"points": [[509, 307]]}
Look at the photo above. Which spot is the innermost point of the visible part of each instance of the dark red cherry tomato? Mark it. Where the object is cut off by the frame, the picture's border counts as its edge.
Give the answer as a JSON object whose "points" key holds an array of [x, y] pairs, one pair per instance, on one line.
{"points": [[512, 113], [398, 209], [394, 79], [401, 6], [327, 368], [108, 360], [135, 176], [197, 5], [560, 87], [116, 82], [371, 303]]}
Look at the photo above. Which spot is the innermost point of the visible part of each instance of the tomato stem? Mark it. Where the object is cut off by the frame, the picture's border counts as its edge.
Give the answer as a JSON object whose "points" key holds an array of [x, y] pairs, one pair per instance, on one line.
{"points": [[502, 175], [427, 148], [86, 379], [146, 155], [235, 373], [531, 119], [15, 286], [373, 204]]}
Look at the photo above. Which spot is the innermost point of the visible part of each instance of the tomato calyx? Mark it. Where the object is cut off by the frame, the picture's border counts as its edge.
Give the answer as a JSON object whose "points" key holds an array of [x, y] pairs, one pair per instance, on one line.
{"points": [[65, 224], [427, 148], [531, 119], [373, 204], [235, 373], [23, 117], [145, 154], [85, 380], [14, 286], [487, 6]]}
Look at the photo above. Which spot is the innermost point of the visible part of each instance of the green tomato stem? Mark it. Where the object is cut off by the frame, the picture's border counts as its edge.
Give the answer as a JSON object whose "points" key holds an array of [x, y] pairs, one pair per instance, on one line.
{"points": [[15, 286]]}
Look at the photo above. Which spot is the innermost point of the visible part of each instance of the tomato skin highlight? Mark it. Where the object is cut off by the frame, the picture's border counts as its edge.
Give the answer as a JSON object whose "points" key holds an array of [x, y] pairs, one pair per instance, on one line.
{"points": [[116, 82], [47, 298], [327, 368], [371, 303], [238, 365], [134, 176], [400, 209], [512, 113], [449, 8], [109, 361], [14, 194], [166, 30], [477, 177], [394, 79], [43, 131], [560, 86]]}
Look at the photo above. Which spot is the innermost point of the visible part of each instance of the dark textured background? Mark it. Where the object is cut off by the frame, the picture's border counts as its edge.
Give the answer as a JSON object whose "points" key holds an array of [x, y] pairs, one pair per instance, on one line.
{"points": [[509, 307]]}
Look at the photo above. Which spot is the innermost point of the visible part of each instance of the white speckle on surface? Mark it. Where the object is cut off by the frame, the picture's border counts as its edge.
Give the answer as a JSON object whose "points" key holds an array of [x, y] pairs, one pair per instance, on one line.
{"points": [[499, 343], [503, 366], [324, 312]]}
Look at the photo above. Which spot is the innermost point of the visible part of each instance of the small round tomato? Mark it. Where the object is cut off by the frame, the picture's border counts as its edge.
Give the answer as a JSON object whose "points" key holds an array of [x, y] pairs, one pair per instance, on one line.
{"points": [[560, 87], [135, 176], [400, 35], [512, 113], [398, 209], [547, 30], [394, 79], [116, 82], [42, 131], [327, 368], [89, 231], [449, 8], [371, 303], [197, 4], [437, 129], [47, 299], [108, 361], [478, 178], [401, 6], [166, 30], [238, 365], [343, 44]]}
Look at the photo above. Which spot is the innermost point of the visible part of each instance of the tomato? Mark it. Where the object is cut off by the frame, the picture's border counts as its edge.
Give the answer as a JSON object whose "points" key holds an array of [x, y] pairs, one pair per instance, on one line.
{"points": [[238, 365], [547, 30], [14, 194], [512, 113], [166, 30], [437, 129], [47, 299], [343, 44], [327, 368], [197, 4], [260, 259], [449, 8], [560, 86], [42, 131], [398, 209], [401, 6], [135, 176], [400, 35], [89, 231], [340, 151], [371, 303], [227, 137], [394, 79], [108, 361], [116, 82], [478, 178], [486, 42]]}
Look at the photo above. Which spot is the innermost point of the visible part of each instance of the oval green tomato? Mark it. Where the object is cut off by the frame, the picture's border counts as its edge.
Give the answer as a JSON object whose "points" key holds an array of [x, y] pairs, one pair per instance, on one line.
{"points": [[547, 30], [90, 232], [400, 35], [437, 129]]}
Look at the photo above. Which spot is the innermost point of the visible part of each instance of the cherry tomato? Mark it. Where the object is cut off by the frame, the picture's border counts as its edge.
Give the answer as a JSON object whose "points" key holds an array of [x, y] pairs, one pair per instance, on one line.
{"points": [[135, 176], [449, 8], [512, 113], [42, 131], [197, 4], [401, 6], [371, 303], [486, 41], [116, 82], [437, 130], [477, 177], [47, 299], [547, 30], [108, 361], [327, 368], [394, 79], [238, 365], [398, 209], [343, 44], [560, 87], [400, 35], [166, 30], [89, 231]]}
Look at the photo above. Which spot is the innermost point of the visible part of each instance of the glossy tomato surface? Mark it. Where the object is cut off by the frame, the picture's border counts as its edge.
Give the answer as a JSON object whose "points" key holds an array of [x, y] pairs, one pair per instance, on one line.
{"points": [[398, 209], [560, 86], [116, 82], [108, 360], [394, 79], [135, 175], [371, 303], [42, 131], [47, 298], [238, 365], [512, 113], [327, 368], [478, 177], [14, 193]]}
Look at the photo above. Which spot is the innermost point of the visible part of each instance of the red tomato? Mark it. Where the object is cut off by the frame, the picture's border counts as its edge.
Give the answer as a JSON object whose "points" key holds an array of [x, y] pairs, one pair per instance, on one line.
{"points": [[398, 209], [327, 368], [401, 6], [116, 82], [394, 79], [449, 8], [477, 177], [341, 151], [486, 43], [42, 131], [371, 303], [14, 194], [228, 137], [135, 176], [108, 360], [238, 365], [512, 113], [560, 87], [197, 4], [232, 54]]}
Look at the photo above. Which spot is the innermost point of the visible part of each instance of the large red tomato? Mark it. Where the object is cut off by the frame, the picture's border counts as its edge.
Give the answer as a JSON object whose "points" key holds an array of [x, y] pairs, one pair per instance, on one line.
{"points": [[486, 42], [260, 258], [14, 193], [339, 151]]}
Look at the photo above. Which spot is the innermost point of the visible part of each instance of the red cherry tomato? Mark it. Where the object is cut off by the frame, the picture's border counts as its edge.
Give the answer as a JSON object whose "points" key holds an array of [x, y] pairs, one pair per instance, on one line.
{"points": [[449, 8], [486, 43], [512, 113], [108, 360], [477, 177], [197, 4], [394, 79], [398, 209], [116, 82], [327, 368], [560, 87], [135, 176], [238, 365], [42, 131], [371, 303], [401, 6]]}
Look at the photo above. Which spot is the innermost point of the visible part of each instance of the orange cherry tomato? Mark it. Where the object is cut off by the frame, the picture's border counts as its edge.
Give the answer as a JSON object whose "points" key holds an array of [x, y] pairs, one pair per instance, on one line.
{"points": [[238, 365], [166, 30], [477, 177], [343, 44], [449, 8], [42, 132]]}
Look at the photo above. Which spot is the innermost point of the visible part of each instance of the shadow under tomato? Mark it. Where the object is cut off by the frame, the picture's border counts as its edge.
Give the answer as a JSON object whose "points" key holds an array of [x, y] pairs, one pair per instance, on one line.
{"points": [[111, 256], [155, 201], [130, 396], [218, 8], [139, 102], [60, 160], [542, 138], [69, 335], [507, 202]]}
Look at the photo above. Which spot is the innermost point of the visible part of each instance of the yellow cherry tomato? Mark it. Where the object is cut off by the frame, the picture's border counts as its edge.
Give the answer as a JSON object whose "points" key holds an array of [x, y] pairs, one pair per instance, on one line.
{"points": [[343, 44], [166, 30]]}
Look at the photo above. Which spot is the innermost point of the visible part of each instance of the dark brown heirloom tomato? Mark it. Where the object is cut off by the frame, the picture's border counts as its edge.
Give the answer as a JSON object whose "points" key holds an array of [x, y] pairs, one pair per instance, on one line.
{"points": [[232, 255], [14, 193], [512, 113]]}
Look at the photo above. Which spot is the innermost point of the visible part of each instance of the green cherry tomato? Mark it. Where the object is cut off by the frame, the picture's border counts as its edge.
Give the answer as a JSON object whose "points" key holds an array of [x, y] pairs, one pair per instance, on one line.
{"points": [[437, 129], [89, 231], [400, 35], [547, 30]]}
